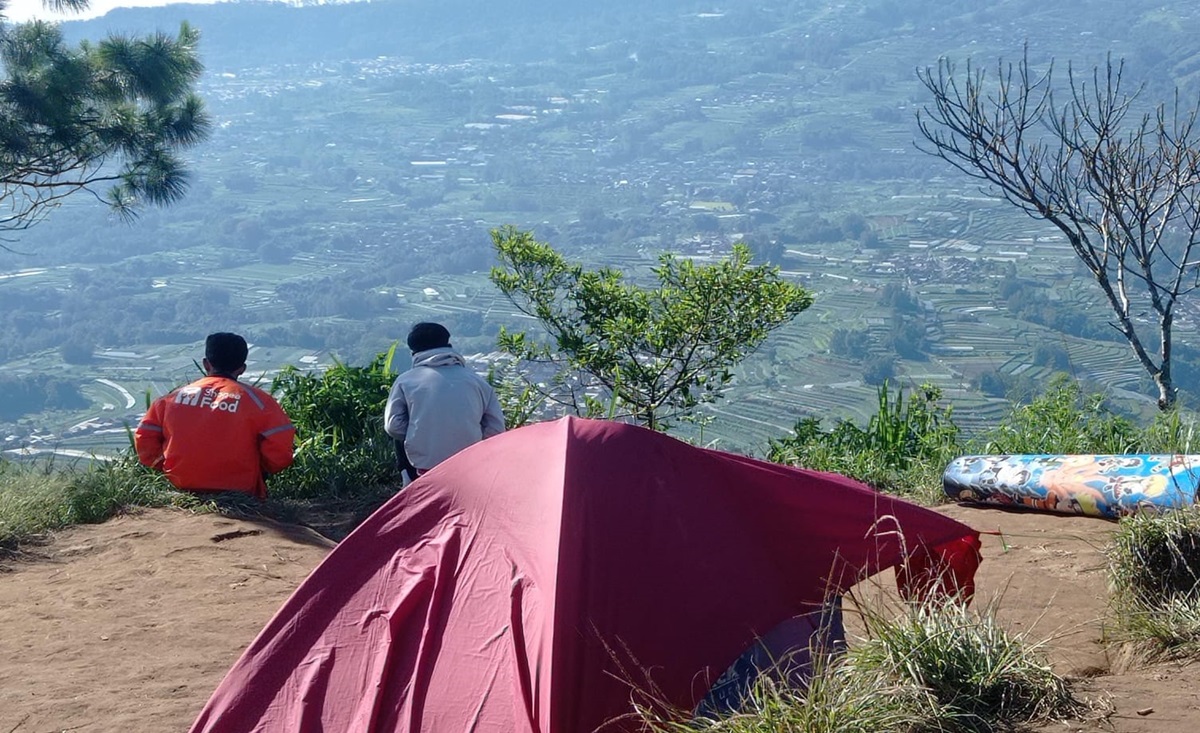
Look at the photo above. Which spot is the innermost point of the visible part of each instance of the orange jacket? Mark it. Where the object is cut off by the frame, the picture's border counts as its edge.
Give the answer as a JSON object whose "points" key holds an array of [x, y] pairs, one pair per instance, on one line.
{"points": [[216, 434]]}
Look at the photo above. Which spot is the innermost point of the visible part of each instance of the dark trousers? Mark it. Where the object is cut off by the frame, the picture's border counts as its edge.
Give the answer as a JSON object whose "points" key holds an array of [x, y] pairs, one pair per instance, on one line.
{"points": [[403, 464]]}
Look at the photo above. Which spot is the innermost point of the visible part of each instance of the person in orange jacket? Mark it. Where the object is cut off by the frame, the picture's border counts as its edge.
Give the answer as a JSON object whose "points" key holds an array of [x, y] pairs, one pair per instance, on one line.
{"points": [[217, 434]]}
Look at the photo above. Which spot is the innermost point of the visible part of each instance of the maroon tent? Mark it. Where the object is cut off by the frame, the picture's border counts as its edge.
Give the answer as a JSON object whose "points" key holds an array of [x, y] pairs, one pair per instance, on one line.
{"points": [[536, 580]]}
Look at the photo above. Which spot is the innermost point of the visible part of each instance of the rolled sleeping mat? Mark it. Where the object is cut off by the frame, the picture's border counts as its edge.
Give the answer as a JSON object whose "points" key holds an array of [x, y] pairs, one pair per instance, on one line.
{"points": [[1109, 486]]}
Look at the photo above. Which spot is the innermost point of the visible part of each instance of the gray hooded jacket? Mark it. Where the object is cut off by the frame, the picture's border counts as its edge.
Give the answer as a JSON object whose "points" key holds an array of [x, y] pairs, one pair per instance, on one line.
{"points": [[439, 407]]}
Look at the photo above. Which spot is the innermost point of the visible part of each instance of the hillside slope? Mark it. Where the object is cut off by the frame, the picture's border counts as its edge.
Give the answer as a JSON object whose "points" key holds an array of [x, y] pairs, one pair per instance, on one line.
{"points": [[129, 625]]}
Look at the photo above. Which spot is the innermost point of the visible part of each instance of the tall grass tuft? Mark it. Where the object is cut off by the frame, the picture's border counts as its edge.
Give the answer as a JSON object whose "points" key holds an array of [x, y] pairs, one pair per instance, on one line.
{"points": [[933, 666], [838, 699], [983, 677], [39, 498], [1154, 570], [1172, 432]]}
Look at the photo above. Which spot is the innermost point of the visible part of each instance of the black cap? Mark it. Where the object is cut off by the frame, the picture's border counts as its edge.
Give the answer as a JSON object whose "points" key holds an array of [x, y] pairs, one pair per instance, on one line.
{"points": [[226, 352], [425, 336]]}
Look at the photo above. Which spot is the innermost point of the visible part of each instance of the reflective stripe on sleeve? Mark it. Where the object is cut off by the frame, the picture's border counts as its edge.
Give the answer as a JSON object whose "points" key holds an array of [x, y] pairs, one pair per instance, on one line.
{"points": [[280, 429]]}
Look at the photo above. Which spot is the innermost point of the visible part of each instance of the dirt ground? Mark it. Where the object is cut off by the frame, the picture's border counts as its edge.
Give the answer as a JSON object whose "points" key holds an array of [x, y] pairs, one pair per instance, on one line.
{"points": [[130, 625], [1046, 576]]}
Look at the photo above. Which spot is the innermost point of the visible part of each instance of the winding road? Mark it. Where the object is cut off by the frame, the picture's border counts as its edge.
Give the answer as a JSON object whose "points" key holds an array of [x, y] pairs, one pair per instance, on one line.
{"points": [[129, 400]]}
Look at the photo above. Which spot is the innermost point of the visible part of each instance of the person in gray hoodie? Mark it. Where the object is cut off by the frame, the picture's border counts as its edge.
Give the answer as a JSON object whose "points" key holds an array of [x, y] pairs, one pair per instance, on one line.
{"points": [[440, 406]]}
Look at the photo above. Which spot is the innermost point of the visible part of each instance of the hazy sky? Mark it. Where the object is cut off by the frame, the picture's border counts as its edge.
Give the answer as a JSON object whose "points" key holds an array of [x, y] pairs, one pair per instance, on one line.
{"points": [[19, 10]]}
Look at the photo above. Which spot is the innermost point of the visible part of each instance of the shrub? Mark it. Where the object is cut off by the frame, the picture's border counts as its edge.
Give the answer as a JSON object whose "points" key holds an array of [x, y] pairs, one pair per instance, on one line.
{"points": [[337, 470], [341, 446], [342, 405], [902, 449], [1062, 420], [521, 401]]}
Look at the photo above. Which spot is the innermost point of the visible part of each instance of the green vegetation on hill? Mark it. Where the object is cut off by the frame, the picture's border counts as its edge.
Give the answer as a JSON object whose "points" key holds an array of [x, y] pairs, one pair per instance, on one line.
{"points": [[36, 499]]}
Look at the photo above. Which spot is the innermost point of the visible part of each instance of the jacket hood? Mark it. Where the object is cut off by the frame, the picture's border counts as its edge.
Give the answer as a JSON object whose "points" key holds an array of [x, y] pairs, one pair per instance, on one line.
{"points": [[439, 357]]}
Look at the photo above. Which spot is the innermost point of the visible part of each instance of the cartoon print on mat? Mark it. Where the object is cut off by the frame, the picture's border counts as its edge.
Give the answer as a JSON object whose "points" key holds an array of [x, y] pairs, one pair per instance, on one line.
{"points": [[1092, 485]]}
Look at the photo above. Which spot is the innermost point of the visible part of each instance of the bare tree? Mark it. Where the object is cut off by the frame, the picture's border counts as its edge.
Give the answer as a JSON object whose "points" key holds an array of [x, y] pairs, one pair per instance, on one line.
{"points": [[1122, 185]]}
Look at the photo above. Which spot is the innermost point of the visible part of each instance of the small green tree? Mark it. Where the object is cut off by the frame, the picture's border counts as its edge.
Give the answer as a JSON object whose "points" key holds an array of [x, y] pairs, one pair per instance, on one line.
{"points": [[850, 343], [108, 118], [617, 348]]}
